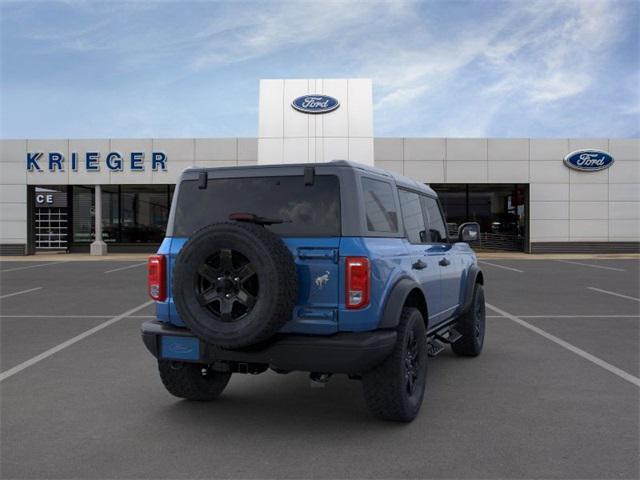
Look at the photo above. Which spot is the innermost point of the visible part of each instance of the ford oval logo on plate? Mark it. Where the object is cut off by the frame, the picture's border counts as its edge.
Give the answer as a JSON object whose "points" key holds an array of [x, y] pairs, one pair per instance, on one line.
{"points": [[588, 160], [315, 104], [181, 348]]}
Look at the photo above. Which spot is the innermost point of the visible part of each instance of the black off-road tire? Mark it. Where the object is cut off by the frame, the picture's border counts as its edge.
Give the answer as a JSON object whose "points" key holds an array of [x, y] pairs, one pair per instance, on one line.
{"points": [[274, 269], [386, 390], [192, 381], [471, 325]]}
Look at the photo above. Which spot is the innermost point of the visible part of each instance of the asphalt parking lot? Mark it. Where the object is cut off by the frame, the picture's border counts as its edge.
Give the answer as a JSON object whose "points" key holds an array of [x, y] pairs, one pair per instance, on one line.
{"points": [[555, 393]]}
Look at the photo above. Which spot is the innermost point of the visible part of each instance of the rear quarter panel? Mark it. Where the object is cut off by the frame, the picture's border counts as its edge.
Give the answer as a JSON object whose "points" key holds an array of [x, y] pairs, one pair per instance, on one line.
{"points": [[389, 261]]}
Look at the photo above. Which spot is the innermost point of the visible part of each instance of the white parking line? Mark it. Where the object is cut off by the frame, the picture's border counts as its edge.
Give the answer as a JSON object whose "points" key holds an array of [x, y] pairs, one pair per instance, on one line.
{"points": [[20, 292], [586, 355], [32, 361], [33, 266], [602, 267], [501, 266], [125, 268], [614, 294]]}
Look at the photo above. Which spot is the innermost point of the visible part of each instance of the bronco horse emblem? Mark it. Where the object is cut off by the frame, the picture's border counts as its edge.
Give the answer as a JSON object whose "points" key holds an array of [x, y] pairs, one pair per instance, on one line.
{"points": [[322, 280]]}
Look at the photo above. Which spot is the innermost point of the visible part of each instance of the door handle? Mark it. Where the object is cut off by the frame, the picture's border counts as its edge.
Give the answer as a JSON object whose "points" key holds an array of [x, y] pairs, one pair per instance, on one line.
{"points": [[419, 265], [444, 262]]}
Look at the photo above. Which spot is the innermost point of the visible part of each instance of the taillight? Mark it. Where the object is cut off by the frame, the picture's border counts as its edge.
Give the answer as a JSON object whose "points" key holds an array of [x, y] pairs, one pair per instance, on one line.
{"points": [[357, 282], [156, 277]]}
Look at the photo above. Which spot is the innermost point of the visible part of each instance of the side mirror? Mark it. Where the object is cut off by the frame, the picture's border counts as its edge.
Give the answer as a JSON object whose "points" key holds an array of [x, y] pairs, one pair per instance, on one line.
{"points": [[469, 232]]}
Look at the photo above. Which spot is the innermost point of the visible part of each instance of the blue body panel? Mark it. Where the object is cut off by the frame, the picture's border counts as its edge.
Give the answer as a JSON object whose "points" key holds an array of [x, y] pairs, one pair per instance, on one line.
{"points": [[388, 260], [320, 262]]}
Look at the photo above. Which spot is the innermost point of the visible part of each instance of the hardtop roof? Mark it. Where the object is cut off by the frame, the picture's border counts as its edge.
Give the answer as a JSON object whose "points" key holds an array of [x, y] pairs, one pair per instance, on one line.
{"points": [[400, 180]]}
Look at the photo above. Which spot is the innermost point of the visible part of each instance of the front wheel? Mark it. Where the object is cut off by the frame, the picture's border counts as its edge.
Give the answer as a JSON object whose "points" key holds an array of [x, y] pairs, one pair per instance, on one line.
{"points": [[471, 326], [394, 389], [192, 381]]}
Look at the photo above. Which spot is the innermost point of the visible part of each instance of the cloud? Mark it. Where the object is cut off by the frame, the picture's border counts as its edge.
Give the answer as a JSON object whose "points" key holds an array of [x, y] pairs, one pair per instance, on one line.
{"points": [[280, 26], [555, 54], [439, 68], [531, 54]]}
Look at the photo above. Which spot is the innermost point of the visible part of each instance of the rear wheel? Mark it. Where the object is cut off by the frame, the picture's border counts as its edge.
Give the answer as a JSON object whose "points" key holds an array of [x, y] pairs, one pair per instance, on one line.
{"points": [[394, 390], [471, 326], [192, 381]]}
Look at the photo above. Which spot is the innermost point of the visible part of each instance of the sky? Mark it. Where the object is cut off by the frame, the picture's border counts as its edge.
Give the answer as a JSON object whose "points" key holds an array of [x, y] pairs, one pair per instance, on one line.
{"points": [[88, 69]]}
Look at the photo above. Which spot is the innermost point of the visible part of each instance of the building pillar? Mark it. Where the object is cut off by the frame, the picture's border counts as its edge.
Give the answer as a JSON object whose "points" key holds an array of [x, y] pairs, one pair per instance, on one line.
{"points": [[98, 247], [31, 221]]}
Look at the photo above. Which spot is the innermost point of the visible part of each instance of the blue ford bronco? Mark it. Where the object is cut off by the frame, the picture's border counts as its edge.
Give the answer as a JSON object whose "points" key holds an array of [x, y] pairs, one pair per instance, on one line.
{"points": [[331, 268]]}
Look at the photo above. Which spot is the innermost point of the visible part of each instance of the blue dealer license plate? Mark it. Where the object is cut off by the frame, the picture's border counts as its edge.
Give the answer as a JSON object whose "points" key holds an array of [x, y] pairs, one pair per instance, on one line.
{"points": [[180, 348]]}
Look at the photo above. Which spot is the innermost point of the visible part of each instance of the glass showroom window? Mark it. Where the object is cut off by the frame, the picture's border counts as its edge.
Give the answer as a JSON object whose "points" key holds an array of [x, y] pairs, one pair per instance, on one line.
{"points": [[500, 209], [145, 210], [82, 207], [130, 213]]}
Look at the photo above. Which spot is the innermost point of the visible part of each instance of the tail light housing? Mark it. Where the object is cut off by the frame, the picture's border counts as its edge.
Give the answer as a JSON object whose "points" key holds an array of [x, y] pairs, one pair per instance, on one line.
{"points": [[357, 282], [156, 277]]}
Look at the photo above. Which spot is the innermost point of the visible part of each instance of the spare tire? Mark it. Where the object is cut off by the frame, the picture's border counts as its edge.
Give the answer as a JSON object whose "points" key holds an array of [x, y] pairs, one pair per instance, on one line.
{"points": [[235, 284]]}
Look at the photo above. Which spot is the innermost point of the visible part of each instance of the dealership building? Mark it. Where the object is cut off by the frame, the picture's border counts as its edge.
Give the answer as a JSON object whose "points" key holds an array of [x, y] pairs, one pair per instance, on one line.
{"points": [[528, 194]]}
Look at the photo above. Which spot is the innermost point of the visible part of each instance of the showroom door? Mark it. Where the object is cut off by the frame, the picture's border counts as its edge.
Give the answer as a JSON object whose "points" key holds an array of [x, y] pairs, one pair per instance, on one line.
{"points": [[51, 226]]}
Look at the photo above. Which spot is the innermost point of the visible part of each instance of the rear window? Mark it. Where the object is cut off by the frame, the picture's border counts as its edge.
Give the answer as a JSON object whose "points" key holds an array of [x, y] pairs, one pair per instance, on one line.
{"points": [[307, 210]]}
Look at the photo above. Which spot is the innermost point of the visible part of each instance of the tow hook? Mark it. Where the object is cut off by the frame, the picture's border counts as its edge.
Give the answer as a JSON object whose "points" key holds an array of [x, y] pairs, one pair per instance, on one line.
{"points": [[318, 379]]}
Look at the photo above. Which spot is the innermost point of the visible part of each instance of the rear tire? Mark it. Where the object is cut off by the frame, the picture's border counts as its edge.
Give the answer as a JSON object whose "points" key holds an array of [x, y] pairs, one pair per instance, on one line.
{"points": [[394, 389], [471, 325], [192, 381]]}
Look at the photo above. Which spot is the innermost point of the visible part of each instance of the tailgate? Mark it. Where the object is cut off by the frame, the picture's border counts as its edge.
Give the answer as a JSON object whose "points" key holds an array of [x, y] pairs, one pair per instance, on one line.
{"points": [[317, 264]]}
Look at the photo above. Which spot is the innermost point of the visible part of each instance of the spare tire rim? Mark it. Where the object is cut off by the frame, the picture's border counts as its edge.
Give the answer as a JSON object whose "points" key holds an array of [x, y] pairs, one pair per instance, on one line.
{"points": [[227, 285]]}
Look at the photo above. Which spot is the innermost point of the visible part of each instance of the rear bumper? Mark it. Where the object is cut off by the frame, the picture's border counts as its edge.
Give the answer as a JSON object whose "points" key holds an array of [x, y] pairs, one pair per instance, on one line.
{"points": [[351, 353]]}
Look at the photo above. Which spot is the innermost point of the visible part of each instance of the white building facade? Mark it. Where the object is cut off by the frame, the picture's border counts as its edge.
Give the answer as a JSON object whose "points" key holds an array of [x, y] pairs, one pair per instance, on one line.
{"points": [[521, 191]]}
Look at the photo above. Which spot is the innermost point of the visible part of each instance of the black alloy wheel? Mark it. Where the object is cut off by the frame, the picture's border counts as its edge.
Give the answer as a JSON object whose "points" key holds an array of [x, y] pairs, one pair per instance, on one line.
{"points": [[478, 327], [412, 363], [472, 326], [394, 389], [227, 285], [234, 284]]}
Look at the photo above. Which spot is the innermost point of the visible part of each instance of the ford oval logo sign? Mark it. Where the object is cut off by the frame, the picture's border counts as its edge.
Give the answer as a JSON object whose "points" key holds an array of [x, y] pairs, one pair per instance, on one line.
{"points": [[588, 160], [315, 104], [180, 348]]}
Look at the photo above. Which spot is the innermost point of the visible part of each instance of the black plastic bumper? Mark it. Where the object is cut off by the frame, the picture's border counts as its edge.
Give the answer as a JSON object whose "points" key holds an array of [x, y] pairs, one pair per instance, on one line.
{"points": [[351, 353]]}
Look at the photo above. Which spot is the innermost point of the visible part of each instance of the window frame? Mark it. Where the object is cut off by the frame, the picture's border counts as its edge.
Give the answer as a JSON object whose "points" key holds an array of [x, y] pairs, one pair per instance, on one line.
{"points": [[399, 232], [425, 212], [425, 218]]}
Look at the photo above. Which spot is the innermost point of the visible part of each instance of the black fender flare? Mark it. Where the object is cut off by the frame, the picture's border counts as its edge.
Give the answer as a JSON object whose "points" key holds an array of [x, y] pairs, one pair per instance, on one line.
{"points": [[474, 275], [396, 299]]}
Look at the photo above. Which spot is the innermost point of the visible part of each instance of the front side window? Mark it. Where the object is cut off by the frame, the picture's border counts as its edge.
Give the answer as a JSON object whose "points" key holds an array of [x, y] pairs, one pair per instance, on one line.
{"points": [[412, 216], [437, 229], [379, 206], [303, 210]]}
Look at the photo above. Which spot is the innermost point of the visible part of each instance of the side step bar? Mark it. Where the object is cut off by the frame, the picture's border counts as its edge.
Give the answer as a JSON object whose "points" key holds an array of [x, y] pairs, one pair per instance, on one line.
{"points": [[444, 335]]}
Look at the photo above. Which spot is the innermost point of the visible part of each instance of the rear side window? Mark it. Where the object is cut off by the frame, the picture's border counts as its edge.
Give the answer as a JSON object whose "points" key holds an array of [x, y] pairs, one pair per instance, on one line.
{"points": [[412, 216], [379, 206], [437, 229], [306, 210]]}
